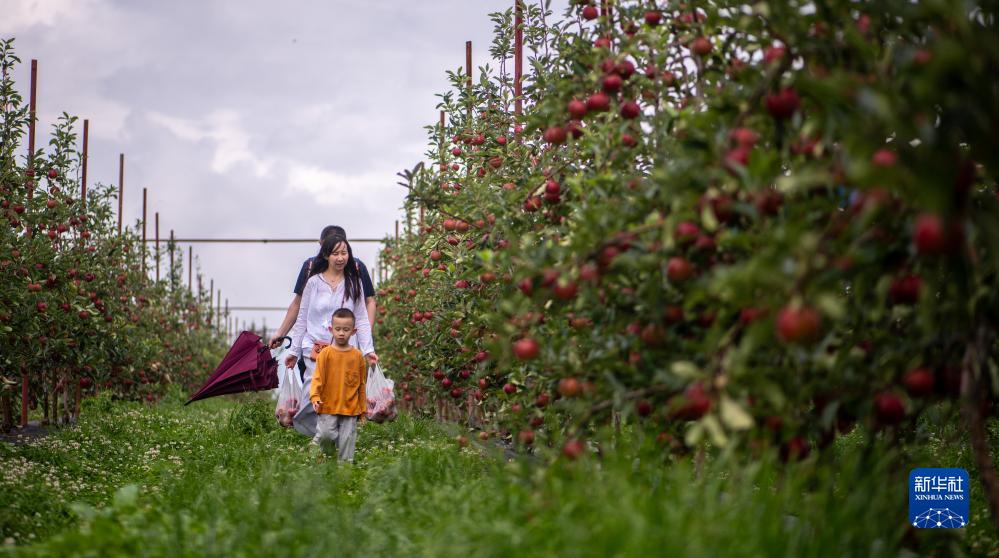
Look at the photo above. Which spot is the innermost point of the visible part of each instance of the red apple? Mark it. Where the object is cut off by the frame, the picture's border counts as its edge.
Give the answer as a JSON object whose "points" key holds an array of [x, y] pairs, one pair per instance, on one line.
{"points": [[589, 272], [509, 389], [768, 202], [575, 128], [553, 191], [774, 54], [673, 314], [653, 17], [643, 408], [919, 382], [686, 232], [929, 234], [738, 156], [905, 289], [884, 158], [630, 110], [565, 290], [611, 83], [569, 387], [573, 448], [679, 269], [701, 46], [526, 286], [783, 104], [598, 102], [695, 403], [577, 109], [590, 13], [798, 324], [744, 137], [526, 348], [750, 315], [888, 408], [555, 135], [625, 69]]}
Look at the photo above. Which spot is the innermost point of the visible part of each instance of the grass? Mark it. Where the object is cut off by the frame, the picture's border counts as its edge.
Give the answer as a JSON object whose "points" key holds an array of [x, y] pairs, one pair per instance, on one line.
{"points": [[219, 478]]}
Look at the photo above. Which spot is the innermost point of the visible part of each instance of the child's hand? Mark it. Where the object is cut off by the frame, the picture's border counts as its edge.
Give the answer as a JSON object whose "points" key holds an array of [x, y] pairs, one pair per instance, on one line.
{"points": [[291, 361], [315, 406]]}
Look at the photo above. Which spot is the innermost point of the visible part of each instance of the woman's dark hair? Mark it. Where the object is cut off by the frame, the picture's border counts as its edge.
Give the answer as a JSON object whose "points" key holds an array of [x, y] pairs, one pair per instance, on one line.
{"points": [[351, 277], [331, 229]]}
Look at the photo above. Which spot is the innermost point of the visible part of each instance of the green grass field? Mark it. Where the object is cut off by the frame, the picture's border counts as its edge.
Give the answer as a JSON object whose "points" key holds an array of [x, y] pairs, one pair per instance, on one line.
{"points": [[220, 478]]}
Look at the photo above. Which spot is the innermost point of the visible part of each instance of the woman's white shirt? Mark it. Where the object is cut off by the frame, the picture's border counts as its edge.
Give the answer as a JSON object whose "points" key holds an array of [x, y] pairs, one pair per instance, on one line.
{"points": [[319, 301]]}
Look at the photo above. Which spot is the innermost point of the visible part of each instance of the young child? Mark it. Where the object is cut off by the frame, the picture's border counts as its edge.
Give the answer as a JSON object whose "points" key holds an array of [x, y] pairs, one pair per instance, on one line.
{"points": [[337, 391]]}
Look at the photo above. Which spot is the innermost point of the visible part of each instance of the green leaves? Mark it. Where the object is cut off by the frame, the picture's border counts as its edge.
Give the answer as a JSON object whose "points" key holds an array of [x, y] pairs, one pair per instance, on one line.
{"points": [[799, 148]]}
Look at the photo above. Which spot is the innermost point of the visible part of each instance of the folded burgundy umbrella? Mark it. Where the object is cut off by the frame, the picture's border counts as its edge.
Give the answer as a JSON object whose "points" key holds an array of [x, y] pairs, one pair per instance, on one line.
{"points": [[248, 366]]}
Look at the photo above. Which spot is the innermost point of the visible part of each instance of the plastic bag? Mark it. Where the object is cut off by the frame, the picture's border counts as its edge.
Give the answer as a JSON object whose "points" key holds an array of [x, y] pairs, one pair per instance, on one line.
{"points": [[381, 400], [287, 402]]}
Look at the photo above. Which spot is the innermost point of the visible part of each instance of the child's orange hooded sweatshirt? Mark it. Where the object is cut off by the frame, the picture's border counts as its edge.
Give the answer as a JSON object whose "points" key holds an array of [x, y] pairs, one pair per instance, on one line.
{"points": [[339, 382]]}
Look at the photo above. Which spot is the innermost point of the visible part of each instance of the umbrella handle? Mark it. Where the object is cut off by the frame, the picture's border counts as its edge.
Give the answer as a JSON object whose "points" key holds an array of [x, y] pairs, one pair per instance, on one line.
{"points": [[266, 348]]}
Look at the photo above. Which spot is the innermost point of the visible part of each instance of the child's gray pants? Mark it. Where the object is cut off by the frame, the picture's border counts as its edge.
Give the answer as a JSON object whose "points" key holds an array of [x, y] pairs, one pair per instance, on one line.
{"points": [[339, 431]]}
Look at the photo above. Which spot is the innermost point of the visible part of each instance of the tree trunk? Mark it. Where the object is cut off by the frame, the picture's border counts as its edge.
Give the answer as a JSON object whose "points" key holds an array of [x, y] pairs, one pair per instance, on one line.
{"points": [[974, 393], [76, 406], [6, 412], [45, 403], [983, 458], [25, 396], [67, 401]]}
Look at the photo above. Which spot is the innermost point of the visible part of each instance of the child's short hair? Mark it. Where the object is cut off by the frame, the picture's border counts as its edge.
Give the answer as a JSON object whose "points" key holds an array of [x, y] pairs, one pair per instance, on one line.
{"points": [[344, 313]]}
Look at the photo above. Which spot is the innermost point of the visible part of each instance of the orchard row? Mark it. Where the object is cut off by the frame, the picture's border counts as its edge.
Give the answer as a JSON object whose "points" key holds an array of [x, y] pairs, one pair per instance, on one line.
{"points": [[738, 225], [77, 311]]}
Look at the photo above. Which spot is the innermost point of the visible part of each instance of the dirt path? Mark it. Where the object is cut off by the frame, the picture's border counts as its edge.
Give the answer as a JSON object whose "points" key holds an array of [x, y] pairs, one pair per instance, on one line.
{"points": [[32, 431]]}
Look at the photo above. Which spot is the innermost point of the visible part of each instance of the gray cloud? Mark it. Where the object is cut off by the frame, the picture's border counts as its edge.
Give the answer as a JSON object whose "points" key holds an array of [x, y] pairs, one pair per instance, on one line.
{"points": [[251, 118]]}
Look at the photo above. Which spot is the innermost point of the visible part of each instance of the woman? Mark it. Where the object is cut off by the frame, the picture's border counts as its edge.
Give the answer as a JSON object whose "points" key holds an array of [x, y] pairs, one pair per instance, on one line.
{"points": [[334, 282]]}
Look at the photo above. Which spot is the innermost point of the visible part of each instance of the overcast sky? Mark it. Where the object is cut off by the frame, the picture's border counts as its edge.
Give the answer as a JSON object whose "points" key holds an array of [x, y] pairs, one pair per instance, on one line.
{"points": [[250, 118]]}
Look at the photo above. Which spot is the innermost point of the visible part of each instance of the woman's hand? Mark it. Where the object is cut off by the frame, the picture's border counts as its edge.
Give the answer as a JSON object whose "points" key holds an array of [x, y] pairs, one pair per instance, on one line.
{"points": [[291, 361], [372, 359]]}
